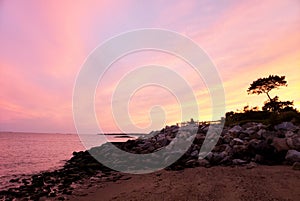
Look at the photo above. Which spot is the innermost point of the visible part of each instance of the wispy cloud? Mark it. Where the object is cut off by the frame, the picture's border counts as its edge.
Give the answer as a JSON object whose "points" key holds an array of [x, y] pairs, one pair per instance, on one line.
{"points": [[44, 44]]}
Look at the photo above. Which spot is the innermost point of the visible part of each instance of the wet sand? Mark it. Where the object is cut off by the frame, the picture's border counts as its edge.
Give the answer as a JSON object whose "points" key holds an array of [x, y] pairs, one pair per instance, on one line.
{"points": [[215, 183]]}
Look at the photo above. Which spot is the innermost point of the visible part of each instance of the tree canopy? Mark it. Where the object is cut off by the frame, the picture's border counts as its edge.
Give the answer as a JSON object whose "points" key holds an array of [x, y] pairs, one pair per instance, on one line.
{"points": [[265, 85], [276, 105]]}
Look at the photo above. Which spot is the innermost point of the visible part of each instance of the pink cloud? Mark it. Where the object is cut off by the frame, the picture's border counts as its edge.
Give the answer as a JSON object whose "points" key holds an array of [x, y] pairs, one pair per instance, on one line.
{"points": [[43, 46]]}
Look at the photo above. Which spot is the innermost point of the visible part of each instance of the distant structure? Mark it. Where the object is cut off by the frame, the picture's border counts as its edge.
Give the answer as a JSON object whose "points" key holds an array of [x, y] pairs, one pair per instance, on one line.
{"points": [[199, 123]]}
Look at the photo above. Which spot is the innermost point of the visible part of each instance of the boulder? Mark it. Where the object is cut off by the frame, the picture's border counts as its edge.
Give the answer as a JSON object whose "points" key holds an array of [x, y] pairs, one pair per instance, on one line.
{"points": [[239, 150], [195, 153], [293, 156], [258, 158], [235, 129], [238, 162], [294, 142], [286, 126], [250, 130], [280, 144], [251, 165], [191, 163], [203, 163], [261, 132], [236, 141], [289, 134], [215, 158], [226, 139]]}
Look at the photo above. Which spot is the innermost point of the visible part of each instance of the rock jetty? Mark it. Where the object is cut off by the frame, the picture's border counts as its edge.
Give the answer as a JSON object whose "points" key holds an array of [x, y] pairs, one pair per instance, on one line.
{"points": [[248, 145]]}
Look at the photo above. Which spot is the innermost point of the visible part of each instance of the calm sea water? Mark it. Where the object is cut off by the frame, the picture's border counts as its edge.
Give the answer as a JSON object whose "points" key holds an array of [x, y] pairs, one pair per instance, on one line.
{"points": [[28, 153]]}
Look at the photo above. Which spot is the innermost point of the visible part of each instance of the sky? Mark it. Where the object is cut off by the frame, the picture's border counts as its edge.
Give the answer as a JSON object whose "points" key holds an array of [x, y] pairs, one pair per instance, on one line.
{"points": [[45, 43]]}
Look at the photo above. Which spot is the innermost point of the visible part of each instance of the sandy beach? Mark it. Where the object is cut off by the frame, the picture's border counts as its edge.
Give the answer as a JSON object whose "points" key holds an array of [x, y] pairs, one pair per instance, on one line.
{"points": [[215, 183]]}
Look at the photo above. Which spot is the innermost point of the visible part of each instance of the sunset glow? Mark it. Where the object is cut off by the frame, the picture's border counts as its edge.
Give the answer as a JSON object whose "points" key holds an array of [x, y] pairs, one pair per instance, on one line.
{"points": [[45, 43]]}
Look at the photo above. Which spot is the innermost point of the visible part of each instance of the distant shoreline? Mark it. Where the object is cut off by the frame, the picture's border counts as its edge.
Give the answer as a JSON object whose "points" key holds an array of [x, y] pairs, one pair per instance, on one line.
{"points": [[21, 132]]}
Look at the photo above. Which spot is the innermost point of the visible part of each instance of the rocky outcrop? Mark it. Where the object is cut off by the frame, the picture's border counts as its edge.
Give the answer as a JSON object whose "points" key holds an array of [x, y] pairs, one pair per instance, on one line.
{"points": [[248, 145]]}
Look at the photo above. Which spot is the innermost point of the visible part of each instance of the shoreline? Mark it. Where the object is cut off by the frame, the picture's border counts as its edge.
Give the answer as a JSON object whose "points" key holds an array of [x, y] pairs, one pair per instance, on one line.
{"points": [[242, 148]]}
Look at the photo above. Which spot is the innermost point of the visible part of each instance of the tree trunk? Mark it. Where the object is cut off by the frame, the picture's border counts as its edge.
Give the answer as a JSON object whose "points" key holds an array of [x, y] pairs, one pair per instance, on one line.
{"points": [[273, 104], [269, 97]]}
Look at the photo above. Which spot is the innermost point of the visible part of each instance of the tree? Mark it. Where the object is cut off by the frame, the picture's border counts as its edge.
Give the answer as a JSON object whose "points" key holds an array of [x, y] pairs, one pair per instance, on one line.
{"points": [[276, 105], [265, 85]]}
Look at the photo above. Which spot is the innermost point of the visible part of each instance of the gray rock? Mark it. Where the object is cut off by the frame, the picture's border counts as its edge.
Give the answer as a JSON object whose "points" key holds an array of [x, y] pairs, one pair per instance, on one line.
{"points": [[258, 158], [261, 132], [239, 149], [251, 165], [238, 162], [203, 163], [191, 163], [250, 130], [195, 153], [289, 134], [209, 156], [226, 139], [243, 136], [294, 143], [293, 156], [280, 144], [286, 126], [217, 158], [235, 129], [261, 126], [236, 141]]}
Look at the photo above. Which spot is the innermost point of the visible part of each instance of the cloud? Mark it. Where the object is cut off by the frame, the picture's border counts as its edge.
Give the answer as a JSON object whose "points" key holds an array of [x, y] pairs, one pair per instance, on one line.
{"points": [[44, 45]]}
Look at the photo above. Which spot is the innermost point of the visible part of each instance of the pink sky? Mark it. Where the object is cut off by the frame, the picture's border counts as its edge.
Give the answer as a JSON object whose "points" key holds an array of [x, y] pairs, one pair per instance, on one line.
{"points": [[44, 44]]}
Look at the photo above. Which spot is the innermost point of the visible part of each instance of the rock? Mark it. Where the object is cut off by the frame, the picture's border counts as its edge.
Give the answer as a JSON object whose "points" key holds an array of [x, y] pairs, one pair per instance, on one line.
{"points": [[236, 141], [203, 163], [294, 142], [235, 131], [151, 148], [146, 145], [286, 126], [250, 130], [191, 163], [250, 125], [220, 148], [261, 132], [14, 180], [293, 156], [199, 139], [226, 139], [289, 134], [238, 162], [296, 166], [258, 158], [209, 156], [195, 153], [251, 165], [67, 192], [52, 194], [238, 151], [243, 136], [227, 160], [217, 158], [280, 144]]}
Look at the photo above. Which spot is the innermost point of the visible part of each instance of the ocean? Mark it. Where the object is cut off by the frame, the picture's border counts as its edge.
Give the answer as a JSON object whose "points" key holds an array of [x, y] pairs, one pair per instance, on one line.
{"points": [[22, 154]]}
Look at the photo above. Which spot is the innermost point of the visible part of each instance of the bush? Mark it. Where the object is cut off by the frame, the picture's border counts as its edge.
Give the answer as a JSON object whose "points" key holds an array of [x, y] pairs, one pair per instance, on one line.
{"points": [[264, 117]]}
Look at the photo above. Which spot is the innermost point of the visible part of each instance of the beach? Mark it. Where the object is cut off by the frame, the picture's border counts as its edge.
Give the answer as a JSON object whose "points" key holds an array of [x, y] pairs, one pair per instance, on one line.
{"points": [[249, 162], [215, 183]]}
